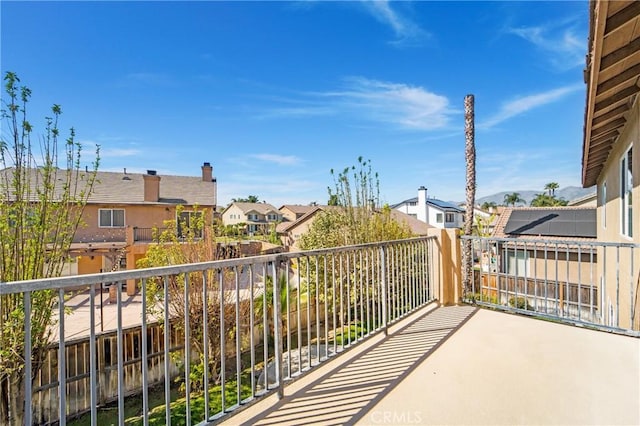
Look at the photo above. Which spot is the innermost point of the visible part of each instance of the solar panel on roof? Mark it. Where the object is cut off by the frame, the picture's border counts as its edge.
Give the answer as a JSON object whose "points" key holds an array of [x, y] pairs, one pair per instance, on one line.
{"points": [[443, 204], [552, 222]]}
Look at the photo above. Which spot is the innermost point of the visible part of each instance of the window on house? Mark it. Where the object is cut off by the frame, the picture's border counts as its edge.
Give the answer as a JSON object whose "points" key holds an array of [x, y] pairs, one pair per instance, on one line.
{"points": [[190, 222], [449, 217], [517, 263], [111, 218], [413, 203], [438, 217], [626, 188]]}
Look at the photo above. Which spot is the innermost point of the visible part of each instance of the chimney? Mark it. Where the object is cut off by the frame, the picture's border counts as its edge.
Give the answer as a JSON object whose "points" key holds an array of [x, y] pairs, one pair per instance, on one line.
{"points": [[207, 172], [422, 213], [151, 186]]}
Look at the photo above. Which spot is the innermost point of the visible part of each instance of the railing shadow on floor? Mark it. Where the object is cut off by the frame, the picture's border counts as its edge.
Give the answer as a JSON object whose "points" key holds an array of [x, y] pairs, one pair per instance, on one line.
{"points": [[346, 394]]}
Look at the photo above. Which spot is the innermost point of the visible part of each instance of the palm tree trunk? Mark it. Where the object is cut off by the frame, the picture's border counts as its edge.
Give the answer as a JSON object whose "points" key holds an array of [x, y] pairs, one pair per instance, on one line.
{"points": [[470, 158]]}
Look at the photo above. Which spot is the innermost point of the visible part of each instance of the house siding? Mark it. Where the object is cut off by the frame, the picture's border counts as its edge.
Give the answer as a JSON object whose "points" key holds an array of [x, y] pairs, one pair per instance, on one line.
{"points": [[612, 231]]}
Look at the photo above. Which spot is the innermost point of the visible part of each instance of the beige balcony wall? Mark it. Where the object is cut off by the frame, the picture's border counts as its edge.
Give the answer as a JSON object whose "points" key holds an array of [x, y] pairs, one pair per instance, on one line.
{"points": [[611, 231]]}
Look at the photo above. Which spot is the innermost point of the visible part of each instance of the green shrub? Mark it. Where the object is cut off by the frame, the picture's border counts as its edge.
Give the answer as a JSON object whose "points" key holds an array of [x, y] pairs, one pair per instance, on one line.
{"points": [[520, 303]]}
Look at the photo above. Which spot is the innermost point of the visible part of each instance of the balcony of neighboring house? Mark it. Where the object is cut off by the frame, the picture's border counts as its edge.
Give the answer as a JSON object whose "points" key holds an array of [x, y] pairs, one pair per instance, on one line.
{"points": [[383, 333]]}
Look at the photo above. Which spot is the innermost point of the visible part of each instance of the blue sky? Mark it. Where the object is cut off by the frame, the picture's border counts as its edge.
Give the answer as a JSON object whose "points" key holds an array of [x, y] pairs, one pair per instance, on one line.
{"points": [[276, 94]]}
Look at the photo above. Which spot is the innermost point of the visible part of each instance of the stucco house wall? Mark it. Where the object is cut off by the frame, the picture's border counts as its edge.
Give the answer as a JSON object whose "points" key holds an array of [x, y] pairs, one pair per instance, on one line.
{"points": [[610, 225]]}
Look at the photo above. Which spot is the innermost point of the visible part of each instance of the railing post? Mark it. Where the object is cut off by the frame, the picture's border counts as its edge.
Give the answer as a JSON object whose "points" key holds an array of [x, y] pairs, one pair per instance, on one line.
{"points": [[28, 406], [449, 282], [383, 286], [277, 326]]}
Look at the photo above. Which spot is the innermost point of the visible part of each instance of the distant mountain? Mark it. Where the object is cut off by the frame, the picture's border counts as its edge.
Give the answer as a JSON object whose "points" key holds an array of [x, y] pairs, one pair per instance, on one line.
{"points": [[569, 193]]}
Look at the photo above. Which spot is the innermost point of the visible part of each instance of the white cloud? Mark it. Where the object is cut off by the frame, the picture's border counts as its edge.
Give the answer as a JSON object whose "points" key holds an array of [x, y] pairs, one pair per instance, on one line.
{"points": [[409, 107], [564, 48], [523, 104], [282, 160], [404, 29], [403, 105]]}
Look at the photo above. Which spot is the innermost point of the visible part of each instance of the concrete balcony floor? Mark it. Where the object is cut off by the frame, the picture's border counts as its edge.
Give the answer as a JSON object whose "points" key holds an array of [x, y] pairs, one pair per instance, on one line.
{"points": [[461, 365]]}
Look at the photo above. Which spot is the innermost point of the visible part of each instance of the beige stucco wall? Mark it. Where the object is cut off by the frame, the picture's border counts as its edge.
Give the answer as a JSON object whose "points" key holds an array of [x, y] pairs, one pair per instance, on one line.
{"points": [[620, 270], [292, 239], [141, 216], [578, 269], [288, 214], [236, 212]]}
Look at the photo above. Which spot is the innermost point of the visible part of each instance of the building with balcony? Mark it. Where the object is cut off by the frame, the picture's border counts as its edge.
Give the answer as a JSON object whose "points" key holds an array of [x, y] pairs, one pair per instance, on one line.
{"points": [[382, 333], [123, 209]]}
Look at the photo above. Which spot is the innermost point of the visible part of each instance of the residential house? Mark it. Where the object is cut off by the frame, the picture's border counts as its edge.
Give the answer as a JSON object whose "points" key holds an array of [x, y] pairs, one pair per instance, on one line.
{"points": [[543, 255], [431, 211], [293, 212], [589, 200], [257, 217], [124, 208], [611, 146], [291, 231]]}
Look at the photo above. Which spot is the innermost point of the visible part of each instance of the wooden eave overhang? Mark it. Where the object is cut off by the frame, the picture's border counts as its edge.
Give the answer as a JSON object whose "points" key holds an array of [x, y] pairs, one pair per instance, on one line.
{"points": [[612, 77]]}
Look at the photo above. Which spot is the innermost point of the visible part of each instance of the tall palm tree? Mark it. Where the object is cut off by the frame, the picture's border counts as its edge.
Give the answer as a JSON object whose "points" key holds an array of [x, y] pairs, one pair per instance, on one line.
{"points": [[513, 199], [470, 158], [551, 188]]}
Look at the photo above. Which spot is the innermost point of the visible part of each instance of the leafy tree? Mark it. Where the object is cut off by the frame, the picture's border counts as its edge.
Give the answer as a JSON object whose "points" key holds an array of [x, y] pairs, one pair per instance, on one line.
{"points": [[513, 199], [482, 225], [356, 217], [546, 200], [249, 199], [551, 188], [273, 235], [333, 199], [41, 205], [488, 205], [189, 247]]}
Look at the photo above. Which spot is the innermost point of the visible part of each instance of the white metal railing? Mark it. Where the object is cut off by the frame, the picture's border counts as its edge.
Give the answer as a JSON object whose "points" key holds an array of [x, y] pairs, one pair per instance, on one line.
{"points": [[588, 283], [241, 328]]}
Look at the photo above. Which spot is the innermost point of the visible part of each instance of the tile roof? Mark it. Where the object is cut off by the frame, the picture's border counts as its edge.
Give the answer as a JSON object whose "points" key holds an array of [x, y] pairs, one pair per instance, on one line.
{"points": [[121, 188], [298, 208], [416, 226], [261, 208], [287, 226], [116, 188]]}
